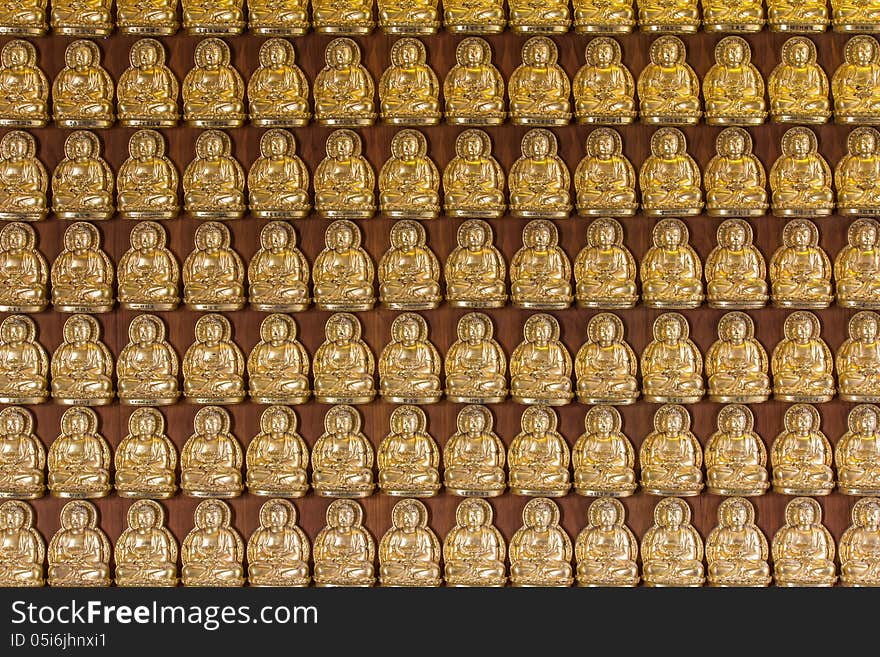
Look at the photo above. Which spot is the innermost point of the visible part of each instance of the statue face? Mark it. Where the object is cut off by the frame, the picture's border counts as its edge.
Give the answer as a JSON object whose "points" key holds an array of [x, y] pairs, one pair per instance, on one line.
{"points": [[344, 331], [800, 145], [344, 147], [736, 515], [16, 238], [408, 423], [14, 147], [475, 516], [606, 331], [212, 518], [278, 423], [604, 423], [669, 146], [409, 145], [80, 331], [541, 237], [736, 330], [146, 425], [147, 239], [213, 239], [344, 423], [277, 145], [212, 424], [211, 55], [542, 516], [539, 146], [409, 54], [803, 330], [213, 331], [13, 425], [213, 145], [475, 423], [476, 331], [79, 518], [82, 56], [604, 146], [542, 332], [864, 53], [82, 148], [408, 237], [866, 144], [800, 54], [82, 239], [540, 54], [736, 423], [277, 238], [668, 54], [604, 55], [278, 330], [671, 237], [802, 421], [342, 238], [540, 422], [475, 237], [13, 518], [14, 332], [342, 55], [276, 54], [78, 423], [17, 56], [736, 237], [736, 145], [605, 236], [145, 517], [410, 518], [671, 423], [144, 148], [872, 515], [802, 237], [277, 516], [473, 54], [672, 516], [867, 422], [805, 515], [345, 517], [734, 54], [607, 515], [867, 329], [148, 57], [866, 236], [146, 332], [409, 331], [473, 147]]}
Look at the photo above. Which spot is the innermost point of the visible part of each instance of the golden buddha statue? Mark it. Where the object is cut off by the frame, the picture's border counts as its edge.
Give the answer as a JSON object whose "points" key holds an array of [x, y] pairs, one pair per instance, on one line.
{"points": [[802, 364], [855, 175], [213, 90], [798, 86], [24, 273], [82, 183], [278, 180], [278, 550], [800, 178], [606, 550], [671, 456], [23, 18], [146, 458], [801, 455], [859, 563], [72, 18], [278, 458], [278, 91], [344, 364], [345, 551], [79, 552], [147, 366], [604, 89], [736, 184], [408, 457], [79, 458], [476, 366], [213, 366], [409, 272], [211, 17], [858, 359], [409, 182], [344, 90], [342, 457], [288, 18], [474, 88], [410, 365], [147, 181], [670, 178], [528, 17], [736, 272], [409, 16], [23, 179], [736, 549], [539, 88], [672, 549], [211, 458], [668, 88], [213, 550], [343, 271], [854, 16], [475, 270], [540, 550], [671, 271], [803, 549], [856, 267], [797, 16], [473, 181], [146, 551], [605, 181], [146, 93], [24, 88], [736, 363], [540, 271], [213, 182], [538, 456], [800, 270], [474, 550], [473, 458], [24, 365], [409, 91], [278, 365], [857, 453], [24, 550], [155, 17], [480, 17], [213, 272], [540, 366], [148, 274], [605, 366], [855, 84], [350, 17], [409, 552], [733, 87], [82, 92], [22, 456], [736, 459], [603, 456], [82, 366], [605, 270], [539, 180], [344, 179], [278, 273]]}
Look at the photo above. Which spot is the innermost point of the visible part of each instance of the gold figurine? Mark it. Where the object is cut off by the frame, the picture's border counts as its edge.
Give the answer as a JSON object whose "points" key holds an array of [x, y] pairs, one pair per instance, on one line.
{"points": [[528, 17], [855, 84], [344, 179], [733, 87], [476, 366], [671, 271], [475, 270], [672, 549], [671, 455], [854, 16], [600, 17], [670, 178], [82, 366], [344, 549], [474, 88], [147, 181], [802, 364], [278, 91], [736, 273], [277, 458], [410, 365], [605, 180], [736, 458], [681, 16], [24, 365], [408, 457], [23, 179], [147, 91], [736, 363], [855, 175], [213, 17], [83, 182], [473, 181], [858, 359], [342, 457], [23, 18], [736, 183], [605, 270], [803, 549], [540, 366], [720, 16], [473, 458], [540, 271], [213, 366], [213, 182], [24, 272], [409, 182], [409, 272], [474, 550], [540, 550], [287, 18], [668, 88], [25, 88], [605, 366], [146, 458], [798, 86], [344, 364], [409, 552], [149, 277], [147, 367], [859, 565], [538, 456], [24, 550], [278, 365], [800, 270], [79, 552], [211, 459], [797, 15], [278, 273], [539, 88], [857, 454], [278, 180], [213, 90], [480, 17], [604, 89], [351, 17], [409, 16], [344, 90], [606, 549], [213, 273], [539, 180], [72, 18], [22, 456], [603, 457], [146, 551], [213, 551], [736, 549], [82, 92], [343, 271], [278, 550], [155, 17], [856, 268], [409, 91], [79, 458], [801, 455]]}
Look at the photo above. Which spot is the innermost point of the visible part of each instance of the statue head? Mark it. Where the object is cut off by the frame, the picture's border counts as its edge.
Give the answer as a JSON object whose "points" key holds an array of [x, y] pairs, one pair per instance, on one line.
{"points": [[211, 53], [146, 329], [473, 144], [799, 142], [212, 144], [18, 53], [344, 514], [276, 53], [145, 514], [602, 52], [539, 419], [863, 142], [736, 513], [475, 327], [341, 53], [213, 328], [408, 52], [472, 52], [406, 234], [667, 51], [17, 145], [474, 513], [474, 234], [79, 515], [672, 513], [17, 236], [733, 52], [409, 328], [602, 419], [605, 329], [474, 420], [862, 233], [801, 326], [409, 144], [342, 419], [277, 235], [82, 54], [81, 328], [211, 235], [212, 514], [863, 326], [735, 419], [342, 328], [668, 143], [539, 51], [277, 514], [736, 327], [277, 143], [408, 420], [146, 53], [278, 420], [862, 50], [540, 513], [538, 144], [343, 144], [146, 422], [863, 419], [16, 329], [409, 514], [734, 143], [606, 512]]}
